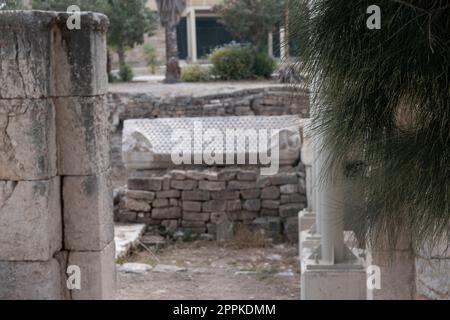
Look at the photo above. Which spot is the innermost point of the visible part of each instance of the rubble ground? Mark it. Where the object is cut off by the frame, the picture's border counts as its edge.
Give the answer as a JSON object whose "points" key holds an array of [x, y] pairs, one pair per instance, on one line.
{"points": [[211, 270]]}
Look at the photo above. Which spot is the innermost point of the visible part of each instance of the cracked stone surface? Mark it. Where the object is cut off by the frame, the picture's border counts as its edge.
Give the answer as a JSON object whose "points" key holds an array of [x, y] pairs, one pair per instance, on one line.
{"points": [[30, 220], [39, 60], [27, 139]]}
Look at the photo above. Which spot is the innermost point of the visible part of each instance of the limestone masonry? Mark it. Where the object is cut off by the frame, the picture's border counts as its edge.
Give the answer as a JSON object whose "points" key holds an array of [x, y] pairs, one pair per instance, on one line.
{"points": [[55, 191]]}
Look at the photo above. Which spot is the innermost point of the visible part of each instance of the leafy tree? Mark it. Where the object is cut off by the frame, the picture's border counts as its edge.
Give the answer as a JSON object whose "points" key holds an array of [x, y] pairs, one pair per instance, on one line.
{"points": [[384, 99], [253, 20], [170, 12], [151, 57], [129, 21]]}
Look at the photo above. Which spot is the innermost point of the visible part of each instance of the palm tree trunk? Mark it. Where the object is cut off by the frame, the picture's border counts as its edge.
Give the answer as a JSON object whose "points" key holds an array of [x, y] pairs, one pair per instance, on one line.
{"points": [[121, 54], [173, 71]]}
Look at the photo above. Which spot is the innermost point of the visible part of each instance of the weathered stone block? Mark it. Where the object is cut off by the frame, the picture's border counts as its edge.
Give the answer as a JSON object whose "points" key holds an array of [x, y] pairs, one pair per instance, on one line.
{"points": [[397, 274], [166, 213], [83, 135], [194, 206], [292, 198], [30, 220], [241, 185], [234, 205], [25, 52], [195, 195], [270, 193], [247, 175], [160, 203], [224, 230], [178, 174], [269, 212], [212, 185], [195, 216], [289, 188], [202, 175], [270, 204], [284, 178], [30, 280], [168, 194], [225, 195], [98, 273], [140, 195], [79, 67], [127, 216], [290, 210], [214, 206], [44, 58], [146, 184], [250, 194], [183, 184], [252, 205], [136, 205], [227, 174], [88, 212], [291, 229], [27, 139], [263, 181], [432, 278]]}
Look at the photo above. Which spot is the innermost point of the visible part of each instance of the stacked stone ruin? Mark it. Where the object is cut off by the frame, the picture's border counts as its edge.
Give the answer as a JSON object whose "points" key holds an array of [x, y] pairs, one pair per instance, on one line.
{"points": [[55, 192], [211, 199], [200, 200]]}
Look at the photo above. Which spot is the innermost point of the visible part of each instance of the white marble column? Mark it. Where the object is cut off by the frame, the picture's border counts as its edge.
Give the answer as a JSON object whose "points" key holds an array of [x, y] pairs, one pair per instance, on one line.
{"points": [[192, 35]]}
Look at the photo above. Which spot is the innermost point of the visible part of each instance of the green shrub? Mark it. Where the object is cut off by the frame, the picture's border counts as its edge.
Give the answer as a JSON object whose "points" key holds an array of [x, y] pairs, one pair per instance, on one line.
{"points": [[126, 73], [264, 65], [151, 57], [195, 73], [232, 62], [240, 62]]}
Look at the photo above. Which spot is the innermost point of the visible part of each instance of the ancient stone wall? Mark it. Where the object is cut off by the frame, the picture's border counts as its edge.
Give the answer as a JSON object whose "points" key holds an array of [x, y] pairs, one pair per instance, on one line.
{"points": [[201, 200], [271, 101], [55, 192]]}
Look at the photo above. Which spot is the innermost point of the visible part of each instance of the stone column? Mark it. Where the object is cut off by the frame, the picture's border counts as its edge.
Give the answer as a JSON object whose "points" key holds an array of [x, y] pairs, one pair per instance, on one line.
{"points": [[329, 270], [308, 238], [55, 192], [192, 35]]}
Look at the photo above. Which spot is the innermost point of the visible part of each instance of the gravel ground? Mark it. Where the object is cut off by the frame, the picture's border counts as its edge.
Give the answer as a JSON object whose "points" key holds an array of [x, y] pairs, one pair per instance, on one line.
{"points": [[213, 271]]}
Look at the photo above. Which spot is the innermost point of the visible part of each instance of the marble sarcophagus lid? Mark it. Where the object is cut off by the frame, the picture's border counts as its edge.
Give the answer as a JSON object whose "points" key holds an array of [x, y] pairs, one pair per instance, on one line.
{"points": [[168, 142]]}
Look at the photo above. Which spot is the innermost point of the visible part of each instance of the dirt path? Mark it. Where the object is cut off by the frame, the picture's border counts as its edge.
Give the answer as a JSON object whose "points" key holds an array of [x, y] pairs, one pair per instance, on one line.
{"points": [[213, 271]]}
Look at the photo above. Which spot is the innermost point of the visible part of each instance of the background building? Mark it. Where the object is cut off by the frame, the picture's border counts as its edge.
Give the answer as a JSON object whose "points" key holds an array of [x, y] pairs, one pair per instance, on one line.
{"points": [[199, 31]]}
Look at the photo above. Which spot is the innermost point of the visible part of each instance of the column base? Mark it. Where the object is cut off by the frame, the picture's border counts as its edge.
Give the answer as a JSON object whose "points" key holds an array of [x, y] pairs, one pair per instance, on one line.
{"points": [[308, 242], [341, 281], [306, 220]]}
